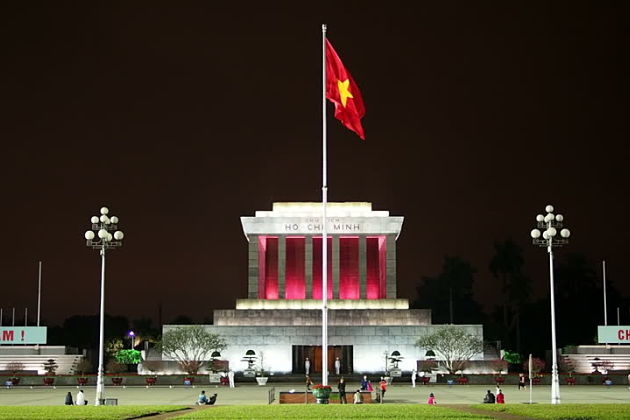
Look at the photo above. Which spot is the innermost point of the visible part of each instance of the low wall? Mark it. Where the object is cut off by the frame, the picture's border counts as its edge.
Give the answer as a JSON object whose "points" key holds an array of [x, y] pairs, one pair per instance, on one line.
{"points": [[298, 397]]}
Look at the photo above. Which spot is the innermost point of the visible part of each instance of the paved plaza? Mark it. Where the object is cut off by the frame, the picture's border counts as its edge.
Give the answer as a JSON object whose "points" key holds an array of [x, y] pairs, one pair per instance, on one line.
{"points": [[251, 394]]}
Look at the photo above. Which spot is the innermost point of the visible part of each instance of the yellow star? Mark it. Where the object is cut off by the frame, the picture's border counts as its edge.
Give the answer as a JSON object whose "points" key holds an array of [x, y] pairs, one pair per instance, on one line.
{"points": [[344, 93]]}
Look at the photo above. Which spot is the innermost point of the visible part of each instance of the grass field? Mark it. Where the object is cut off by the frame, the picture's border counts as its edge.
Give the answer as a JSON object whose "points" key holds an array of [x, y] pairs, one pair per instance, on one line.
{"points": [[564, 411], [87, 412], [373, 411]]}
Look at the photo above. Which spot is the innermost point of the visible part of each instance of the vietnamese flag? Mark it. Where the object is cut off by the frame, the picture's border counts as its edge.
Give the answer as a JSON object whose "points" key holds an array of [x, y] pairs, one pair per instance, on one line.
{"points": [[343, 92]]}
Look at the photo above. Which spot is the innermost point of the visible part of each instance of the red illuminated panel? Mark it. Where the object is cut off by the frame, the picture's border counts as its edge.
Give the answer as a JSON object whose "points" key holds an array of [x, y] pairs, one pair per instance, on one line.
{"points": [[294, 269], [382, 252], [349, 268], [262, 252], [271, 268], [373, 268], [317, 268]]}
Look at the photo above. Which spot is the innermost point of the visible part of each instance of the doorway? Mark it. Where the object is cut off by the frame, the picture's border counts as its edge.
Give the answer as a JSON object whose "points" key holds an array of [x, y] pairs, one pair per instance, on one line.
{"points": [[314, 354]]}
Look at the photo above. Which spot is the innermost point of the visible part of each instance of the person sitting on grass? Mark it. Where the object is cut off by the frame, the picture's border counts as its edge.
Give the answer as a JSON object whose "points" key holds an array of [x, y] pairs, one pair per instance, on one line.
{"points": [[80, 400], [204, 400], [500, 397], [431, 400], [358, 399], [488, 398]]}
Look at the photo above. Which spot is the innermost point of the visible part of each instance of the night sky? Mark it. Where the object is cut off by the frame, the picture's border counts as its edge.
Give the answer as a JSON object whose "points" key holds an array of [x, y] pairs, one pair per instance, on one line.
{"points": [[183, 116]]}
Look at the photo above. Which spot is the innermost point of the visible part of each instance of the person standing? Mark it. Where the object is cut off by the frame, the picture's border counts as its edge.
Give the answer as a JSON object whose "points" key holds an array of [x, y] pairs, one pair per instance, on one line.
{"points": [[431, 400], [307, 366], [383, 387], [69, 399], [364, 383], [80, 400], [521, 381], [414, 374], [342, 391], [337, 365], [500, 397], [231, 378]]}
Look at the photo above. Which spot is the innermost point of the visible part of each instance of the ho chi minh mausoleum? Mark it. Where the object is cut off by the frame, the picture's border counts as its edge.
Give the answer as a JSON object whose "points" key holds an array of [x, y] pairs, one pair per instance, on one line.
{"points": [[281, 316]]}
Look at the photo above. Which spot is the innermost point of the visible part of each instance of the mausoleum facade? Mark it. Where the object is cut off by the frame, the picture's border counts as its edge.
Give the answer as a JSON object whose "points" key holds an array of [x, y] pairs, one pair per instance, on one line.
{"points": [[281, 317]]}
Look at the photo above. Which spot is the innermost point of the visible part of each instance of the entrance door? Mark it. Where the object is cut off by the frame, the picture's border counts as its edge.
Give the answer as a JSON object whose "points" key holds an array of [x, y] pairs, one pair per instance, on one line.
{"points": [[314, 354]]}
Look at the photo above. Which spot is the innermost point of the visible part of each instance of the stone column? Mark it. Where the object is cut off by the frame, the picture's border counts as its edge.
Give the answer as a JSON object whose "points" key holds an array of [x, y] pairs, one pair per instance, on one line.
{"points": [[282, 259], [335, 266], [252, 267], [390, 262], [308, 266], [362, 267]]}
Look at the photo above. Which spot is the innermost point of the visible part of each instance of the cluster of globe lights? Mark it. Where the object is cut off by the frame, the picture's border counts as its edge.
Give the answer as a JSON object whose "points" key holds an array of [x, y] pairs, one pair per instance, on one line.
{"points": [[551, 222], [103, 225]]}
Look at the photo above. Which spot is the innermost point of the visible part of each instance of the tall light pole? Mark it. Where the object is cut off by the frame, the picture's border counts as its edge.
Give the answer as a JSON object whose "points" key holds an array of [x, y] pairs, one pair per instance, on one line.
{"points": [[549, 225], [102, 240]]}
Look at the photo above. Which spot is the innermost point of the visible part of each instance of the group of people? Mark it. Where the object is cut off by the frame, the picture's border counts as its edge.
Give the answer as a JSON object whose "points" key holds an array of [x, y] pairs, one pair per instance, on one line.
{"points": [[490, 398], [80, 400]]}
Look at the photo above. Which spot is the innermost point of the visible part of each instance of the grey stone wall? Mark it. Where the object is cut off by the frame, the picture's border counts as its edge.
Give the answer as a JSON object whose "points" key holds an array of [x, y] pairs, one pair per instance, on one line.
{"points": [[305, 317]]}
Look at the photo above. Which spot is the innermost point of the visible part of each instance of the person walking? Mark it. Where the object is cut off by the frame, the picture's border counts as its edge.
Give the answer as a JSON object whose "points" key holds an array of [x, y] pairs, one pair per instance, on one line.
{"points": [[414, 374], [69, 399], [342, 391], [383, 387], [431, 400], [521, 381], [308, 383]]}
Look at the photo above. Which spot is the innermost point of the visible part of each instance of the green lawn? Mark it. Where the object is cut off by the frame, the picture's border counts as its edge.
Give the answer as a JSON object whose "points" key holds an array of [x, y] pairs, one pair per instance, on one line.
{"points": [[313, 411], [87, 412], [564, 411]]}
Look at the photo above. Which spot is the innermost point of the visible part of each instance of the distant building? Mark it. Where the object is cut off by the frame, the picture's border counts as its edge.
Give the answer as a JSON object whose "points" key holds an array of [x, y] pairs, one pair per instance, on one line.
{"points": [[281, 316]]}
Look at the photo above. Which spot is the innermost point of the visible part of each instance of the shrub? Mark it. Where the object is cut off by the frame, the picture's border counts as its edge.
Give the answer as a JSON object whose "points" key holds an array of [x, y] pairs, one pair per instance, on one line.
{"points": [[84, 366], [15, 367], [114, 367]]}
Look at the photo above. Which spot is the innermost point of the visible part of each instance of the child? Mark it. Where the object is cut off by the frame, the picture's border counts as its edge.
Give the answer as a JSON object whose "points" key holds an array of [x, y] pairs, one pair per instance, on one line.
{"points": [[431, 400]]}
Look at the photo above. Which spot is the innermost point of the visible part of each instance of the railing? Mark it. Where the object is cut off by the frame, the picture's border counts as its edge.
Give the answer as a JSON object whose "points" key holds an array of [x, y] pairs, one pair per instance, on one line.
{"points": [[272, 395]]}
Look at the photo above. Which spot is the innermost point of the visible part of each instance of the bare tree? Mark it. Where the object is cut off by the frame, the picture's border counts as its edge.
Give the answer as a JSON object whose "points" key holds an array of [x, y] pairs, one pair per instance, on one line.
{"points": [[190, 346], [453, 346]]}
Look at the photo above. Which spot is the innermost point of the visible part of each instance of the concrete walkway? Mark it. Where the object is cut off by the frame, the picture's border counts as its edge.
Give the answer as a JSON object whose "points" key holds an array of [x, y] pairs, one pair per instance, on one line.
{"points": [[252, 394]]}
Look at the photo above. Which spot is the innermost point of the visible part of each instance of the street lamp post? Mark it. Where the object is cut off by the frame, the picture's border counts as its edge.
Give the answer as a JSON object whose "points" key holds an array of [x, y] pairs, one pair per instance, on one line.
{"points": [[101, 238], [132, 336], [548, 227]]}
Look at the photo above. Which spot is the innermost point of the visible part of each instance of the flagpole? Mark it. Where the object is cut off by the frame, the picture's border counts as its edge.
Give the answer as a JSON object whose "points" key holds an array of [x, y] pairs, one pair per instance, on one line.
{"points": [[324, 221]]}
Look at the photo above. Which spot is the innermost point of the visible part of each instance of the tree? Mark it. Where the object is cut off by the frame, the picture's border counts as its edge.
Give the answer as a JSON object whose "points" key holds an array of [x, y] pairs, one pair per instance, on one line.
{"points": [[507, 267], [50, 366], [453, 345], [450, 294], [190, 346]]}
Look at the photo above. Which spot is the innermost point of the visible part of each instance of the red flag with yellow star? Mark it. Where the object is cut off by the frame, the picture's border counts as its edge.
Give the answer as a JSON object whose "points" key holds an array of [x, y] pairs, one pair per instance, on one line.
{"points": [[343, 92]]}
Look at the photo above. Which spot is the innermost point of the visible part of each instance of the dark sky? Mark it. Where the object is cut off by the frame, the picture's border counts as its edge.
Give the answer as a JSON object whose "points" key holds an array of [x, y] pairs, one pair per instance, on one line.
{"points": [[184, 116]]}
